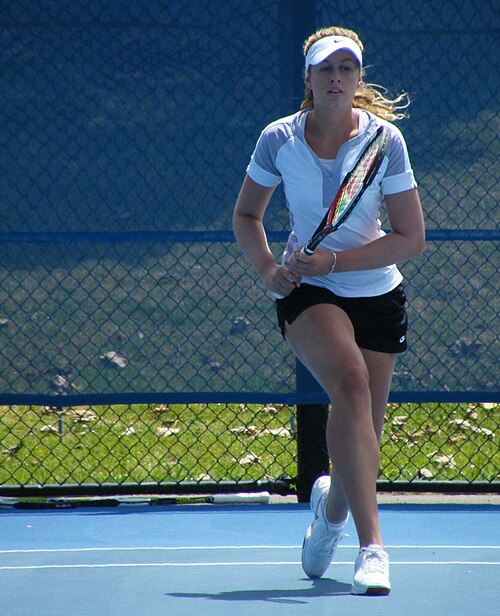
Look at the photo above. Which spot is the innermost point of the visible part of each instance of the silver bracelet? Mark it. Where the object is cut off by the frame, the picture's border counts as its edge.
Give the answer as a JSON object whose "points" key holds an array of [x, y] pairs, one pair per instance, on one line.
{"points": [[332, 269]]}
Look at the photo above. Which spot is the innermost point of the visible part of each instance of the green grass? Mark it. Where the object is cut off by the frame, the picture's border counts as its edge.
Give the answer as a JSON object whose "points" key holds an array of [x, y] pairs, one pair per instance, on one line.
{"points": [[156, 444], [143, 444], [445, 442], [169, 311]]}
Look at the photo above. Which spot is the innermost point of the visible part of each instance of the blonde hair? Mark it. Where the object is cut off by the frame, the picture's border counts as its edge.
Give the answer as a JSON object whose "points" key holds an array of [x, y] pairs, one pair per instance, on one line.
{"points": [[369, 96]]}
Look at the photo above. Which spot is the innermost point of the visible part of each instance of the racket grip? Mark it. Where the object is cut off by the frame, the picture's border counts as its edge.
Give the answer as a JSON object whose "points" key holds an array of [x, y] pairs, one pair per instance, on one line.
{"points": [[241, 497], [306, 251]]}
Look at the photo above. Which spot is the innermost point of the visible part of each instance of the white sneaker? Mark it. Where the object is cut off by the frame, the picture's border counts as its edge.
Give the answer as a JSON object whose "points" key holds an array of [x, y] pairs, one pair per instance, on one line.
{"points": [[320, 541], [371, 572]]}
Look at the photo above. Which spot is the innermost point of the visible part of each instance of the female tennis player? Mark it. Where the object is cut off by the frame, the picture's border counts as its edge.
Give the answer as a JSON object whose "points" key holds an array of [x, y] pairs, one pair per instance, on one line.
{"points": [[343, 308]]}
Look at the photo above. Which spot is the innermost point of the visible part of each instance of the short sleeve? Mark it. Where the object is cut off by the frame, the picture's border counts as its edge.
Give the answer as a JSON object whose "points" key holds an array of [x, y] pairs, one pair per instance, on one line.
{"points": [[399, 175], [261, 176], [262, 166]]}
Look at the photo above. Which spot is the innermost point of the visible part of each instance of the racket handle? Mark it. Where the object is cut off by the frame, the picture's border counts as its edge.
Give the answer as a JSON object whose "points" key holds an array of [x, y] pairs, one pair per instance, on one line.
{"points": [[241, 497], [306, 251]]}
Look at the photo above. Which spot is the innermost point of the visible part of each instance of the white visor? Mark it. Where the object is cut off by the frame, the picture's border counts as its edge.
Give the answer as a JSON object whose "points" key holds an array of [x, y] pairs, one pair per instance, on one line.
{"points": [[328, 45]]}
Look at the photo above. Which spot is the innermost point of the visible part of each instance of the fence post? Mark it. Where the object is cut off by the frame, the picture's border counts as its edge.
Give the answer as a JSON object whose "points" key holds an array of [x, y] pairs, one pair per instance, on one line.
{"points": [[297, 19], [312, 453]]}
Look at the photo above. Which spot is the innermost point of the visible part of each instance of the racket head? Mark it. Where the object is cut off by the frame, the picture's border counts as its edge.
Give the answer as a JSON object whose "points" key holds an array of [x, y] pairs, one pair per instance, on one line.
{"points": [[352, 188]]}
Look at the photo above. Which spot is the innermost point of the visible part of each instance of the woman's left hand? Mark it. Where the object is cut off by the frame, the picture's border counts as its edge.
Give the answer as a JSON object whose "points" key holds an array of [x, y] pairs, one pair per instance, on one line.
{"points": [[318, 264]]}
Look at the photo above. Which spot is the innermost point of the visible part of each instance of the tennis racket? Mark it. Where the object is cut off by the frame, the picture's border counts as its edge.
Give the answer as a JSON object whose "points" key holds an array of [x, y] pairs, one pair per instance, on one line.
{"points": [[194, 499], [218, 499], [351, 190]]}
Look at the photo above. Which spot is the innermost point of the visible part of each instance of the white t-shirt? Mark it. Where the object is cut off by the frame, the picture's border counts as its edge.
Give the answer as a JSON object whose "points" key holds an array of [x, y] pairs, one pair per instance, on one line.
{"points": [[310, 184]]}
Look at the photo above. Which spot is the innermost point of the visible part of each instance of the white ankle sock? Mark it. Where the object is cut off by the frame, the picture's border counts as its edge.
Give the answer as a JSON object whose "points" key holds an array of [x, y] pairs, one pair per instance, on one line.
{"points": [[337, 526]]}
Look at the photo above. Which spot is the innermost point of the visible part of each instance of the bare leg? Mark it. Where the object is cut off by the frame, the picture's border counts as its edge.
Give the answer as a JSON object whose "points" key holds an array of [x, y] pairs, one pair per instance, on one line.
{"points": [[380, 369], [357, 383]]}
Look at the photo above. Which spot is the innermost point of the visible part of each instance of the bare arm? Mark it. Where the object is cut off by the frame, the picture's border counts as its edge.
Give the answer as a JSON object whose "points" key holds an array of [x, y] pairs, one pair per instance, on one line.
{"points": [[248, 227], [406, 240]]}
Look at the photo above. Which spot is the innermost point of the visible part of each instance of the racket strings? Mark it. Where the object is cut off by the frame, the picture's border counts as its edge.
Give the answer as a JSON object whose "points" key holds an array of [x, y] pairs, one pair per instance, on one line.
{"points": [[351, 189], [354, 184]]}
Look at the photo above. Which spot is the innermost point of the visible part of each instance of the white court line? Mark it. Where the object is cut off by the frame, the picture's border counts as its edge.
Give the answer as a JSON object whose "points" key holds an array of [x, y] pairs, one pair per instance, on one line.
{"points": [[229, 564], [236, 547]]}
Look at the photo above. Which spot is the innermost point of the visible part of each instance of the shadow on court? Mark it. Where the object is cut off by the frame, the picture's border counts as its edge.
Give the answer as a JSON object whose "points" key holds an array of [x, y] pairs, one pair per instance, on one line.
{"points": [[320, 588]]}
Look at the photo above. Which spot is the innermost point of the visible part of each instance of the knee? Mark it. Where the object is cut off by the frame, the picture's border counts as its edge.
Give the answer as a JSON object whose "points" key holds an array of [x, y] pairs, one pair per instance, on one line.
{"points": [[353, 384], [351, 416]]}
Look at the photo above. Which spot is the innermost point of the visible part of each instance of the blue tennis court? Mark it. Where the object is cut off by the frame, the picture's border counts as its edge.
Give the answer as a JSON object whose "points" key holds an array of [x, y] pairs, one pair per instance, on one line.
{"points": [[147, 560]]}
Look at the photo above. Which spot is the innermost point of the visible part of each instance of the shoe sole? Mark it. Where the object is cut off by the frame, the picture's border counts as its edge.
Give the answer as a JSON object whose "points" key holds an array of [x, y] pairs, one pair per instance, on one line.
{"points": [[371, 591], [312, 576], [314, 504]]}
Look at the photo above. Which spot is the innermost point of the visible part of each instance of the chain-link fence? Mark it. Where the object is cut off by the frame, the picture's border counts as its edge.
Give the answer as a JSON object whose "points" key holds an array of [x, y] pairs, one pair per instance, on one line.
{"points": [[137, 349]]}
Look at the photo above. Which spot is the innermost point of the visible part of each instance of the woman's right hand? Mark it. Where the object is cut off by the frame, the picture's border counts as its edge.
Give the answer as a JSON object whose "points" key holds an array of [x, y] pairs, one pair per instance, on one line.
{"points": [[280, 280]]}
